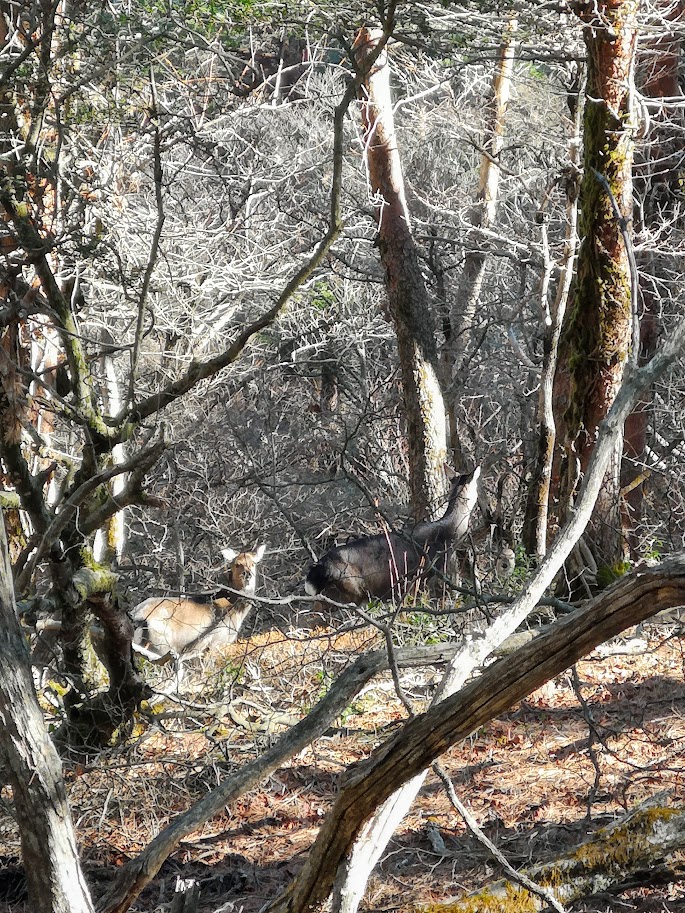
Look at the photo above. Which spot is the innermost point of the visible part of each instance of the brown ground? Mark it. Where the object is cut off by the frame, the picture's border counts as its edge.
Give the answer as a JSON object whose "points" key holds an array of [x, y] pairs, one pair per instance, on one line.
{"points": [[538, 780]]}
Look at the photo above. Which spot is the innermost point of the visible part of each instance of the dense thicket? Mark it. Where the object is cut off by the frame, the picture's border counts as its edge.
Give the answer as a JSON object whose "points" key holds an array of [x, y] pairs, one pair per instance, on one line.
{"points": [[199, 334]]}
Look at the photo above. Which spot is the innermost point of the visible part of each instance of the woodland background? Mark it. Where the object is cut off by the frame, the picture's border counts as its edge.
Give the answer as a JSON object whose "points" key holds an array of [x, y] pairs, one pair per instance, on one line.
{"points": [[241, 306]]}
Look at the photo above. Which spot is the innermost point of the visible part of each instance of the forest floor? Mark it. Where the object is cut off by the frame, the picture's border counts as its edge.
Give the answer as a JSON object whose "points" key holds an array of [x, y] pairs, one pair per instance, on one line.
{"points": [[539, 780]]}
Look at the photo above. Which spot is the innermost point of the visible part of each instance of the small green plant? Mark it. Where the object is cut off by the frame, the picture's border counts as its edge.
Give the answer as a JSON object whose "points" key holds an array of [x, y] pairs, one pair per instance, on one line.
{"points": [[418, 618], [323, 298], [654, 552], [354, 709], [323, 679], [524, 565], [230, 674], [535, 71]]}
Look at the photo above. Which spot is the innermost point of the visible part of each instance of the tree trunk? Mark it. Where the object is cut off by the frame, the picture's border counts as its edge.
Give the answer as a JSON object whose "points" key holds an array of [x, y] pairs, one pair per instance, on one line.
{"points": [[596, 340], [353, 876], [110, 539], [657, 177], [407, 297], [536, 520], [485, 209], [32, 768]]}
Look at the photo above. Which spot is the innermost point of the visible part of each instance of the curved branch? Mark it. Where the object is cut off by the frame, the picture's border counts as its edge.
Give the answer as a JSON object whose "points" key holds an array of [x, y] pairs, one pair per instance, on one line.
{"points": [[371, 782], [36, 250]]}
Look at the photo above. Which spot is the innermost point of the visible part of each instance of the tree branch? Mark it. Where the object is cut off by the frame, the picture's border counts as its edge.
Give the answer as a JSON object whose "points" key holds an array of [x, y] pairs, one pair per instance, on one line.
{"points": [[141, 462], [156, 238], [140, 871]]}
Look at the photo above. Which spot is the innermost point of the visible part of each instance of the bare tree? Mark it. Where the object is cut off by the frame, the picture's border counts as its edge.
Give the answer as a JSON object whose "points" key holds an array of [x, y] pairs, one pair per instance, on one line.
{"points": [[407, 298], [84, 407], [484, 211], [535, 529]]}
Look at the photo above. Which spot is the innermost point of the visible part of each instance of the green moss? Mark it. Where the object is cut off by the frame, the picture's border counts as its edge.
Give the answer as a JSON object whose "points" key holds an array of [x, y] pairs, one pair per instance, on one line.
{"points": [[610, 573], [93, 577], [597, 335], [613, 850]]}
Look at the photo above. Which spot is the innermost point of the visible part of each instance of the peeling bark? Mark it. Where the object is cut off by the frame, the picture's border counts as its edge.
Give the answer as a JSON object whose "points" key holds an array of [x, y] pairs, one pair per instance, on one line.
{"points": [[657, 177], [407, 297]]}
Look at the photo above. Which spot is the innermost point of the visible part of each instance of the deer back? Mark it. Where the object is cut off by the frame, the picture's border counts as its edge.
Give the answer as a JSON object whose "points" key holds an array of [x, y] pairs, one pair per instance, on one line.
{"points": [[386, 564]]}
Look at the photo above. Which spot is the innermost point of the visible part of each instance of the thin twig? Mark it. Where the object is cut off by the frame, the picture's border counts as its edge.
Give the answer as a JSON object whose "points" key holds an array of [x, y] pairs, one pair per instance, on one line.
{"points": [[471, 823], [593, 736], [156, 238]]}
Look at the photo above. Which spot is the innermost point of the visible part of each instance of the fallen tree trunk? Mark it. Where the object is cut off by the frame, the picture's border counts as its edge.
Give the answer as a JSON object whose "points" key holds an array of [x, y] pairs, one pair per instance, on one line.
{"points": [[369, 783], [635, 843], [653, 589]]}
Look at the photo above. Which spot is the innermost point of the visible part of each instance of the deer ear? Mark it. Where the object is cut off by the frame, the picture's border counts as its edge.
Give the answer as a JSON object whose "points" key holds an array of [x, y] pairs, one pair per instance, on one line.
{"points": [[259, 552], [449, 472], [229, 554]]}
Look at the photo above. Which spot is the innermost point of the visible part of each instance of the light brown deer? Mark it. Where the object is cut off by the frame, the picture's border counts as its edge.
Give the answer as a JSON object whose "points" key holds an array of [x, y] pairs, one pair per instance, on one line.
{"points": [[185, 626]]}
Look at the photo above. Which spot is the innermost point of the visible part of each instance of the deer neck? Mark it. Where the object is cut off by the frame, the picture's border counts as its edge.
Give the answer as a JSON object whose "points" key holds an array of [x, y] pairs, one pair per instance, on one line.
{"points": [[222, 603]]}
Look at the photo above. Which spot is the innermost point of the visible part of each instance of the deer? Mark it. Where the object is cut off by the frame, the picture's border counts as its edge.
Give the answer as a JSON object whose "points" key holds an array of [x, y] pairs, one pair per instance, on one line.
{"points": [[185, 626], [385, 565]]}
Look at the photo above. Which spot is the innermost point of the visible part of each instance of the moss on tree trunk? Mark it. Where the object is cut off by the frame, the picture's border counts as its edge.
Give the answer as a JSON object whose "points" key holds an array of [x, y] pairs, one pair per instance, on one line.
{"points": [[596, 340]]}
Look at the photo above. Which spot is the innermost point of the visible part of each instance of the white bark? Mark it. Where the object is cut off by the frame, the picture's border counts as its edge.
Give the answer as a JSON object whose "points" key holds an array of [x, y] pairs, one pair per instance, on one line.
{"points": [[485, 210], [110, 539], [424, 409]]}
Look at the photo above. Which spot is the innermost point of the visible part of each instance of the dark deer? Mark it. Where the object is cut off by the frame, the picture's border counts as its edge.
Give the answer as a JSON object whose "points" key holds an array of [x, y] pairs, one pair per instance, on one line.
{"points": [[187, 626], [387, 564]]}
